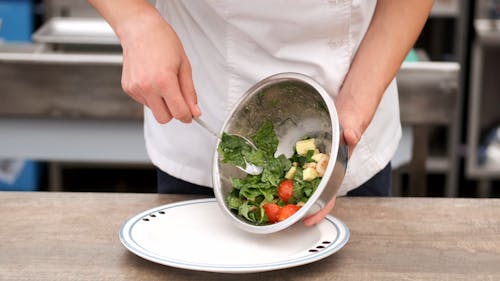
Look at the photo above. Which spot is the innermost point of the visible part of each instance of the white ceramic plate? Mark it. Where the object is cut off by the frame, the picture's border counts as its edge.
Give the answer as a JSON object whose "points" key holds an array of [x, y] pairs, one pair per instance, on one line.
{"points": [[196, 235]]}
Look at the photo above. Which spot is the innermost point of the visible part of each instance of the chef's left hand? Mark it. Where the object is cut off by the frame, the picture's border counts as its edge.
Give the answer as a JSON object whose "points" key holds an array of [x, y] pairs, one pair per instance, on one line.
{"points": [[352, 125]]}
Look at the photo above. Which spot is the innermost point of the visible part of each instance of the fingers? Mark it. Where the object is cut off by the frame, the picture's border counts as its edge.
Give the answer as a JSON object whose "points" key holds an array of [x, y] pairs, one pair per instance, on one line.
{"points": [[351, 139], [174, 98], [180, 95], [165, 98], [187, 88], [144, 94], [352, 121], [320, 215], [160, 110], [138, 98]]}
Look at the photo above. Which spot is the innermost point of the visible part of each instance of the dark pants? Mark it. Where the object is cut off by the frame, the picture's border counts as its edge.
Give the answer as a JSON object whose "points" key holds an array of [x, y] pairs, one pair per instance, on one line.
{"points": [[169, 184], [378, 185]]}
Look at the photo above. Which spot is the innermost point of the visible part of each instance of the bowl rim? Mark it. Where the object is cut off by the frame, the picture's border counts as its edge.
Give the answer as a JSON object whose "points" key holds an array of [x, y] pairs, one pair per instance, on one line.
{"points": [[314, 199]]}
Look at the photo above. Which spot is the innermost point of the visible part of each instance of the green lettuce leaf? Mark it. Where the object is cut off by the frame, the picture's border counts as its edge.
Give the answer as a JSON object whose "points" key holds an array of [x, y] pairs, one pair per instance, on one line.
{"points": [[232, 148], [265, 139]]}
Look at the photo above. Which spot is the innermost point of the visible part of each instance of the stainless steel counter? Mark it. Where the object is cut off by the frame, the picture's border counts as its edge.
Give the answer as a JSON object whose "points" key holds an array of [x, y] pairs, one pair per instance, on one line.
{"points": [[62, 100]]}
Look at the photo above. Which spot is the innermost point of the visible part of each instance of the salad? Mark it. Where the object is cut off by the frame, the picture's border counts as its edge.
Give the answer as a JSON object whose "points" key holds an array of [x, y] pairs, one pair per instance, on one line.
{"points": [[284, 185]]}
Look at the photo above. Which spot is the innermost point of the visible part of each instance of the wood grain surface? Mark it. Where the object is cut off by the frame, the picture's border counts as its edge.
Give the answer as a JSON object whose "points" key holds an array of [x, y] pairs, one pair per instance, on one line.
{"points": [[74, 236]]}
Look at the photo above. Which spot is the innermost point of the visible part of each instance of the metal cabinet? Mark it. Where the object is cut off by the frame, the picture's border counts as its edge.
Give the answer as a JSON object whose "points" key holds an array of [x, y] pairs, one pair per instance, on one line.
{"points": [[484, 109], [429, 97]]}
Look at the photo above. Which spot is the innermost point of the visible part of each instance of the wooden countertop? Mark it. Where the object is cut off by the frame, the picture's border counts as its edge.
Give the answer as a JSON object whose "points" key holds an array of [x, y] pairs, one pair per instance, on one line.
{"points": [[74, 236]]}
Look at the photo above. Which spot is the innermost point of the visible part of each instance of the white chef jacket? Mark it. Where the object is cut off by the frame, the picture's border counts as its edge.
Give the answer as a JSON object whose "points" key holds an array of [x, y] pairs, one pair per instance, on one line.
{"points": [[234, 44]]}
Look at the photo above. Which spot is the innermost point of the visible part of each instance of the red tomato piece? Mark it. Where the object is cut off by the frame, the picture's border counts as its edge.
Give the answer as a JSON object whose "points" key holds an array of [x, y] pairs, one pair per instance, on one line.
{"points": [[285, 190], [287, 211], [271, 210]]}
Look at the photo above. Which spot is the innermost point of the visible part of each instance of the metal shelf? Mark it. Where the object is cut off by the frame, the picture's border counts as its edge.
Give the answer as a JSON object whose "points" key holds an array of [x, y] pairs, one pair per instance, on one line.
{"points": [[446, 8], [484, 99], [487, 31]]}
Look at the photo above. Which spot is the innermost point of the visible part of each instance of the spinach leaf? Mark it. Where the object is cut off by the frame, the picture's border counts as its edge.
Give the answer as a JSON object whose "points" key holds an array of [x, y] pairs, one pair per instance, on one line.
{"points": [[234, 201], [265, 139], [238, 183], [302, 159], [275, 169], [256, 156], [302, 189], [251, 187], [232, 148], [254, 214], [246, 211]]}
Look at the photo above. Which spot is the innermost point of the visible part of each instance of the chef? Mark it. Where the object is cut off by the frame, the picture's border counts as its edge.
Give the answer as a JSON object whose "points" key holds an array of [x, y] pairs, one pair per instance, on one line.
{"points": [[185, 58]]}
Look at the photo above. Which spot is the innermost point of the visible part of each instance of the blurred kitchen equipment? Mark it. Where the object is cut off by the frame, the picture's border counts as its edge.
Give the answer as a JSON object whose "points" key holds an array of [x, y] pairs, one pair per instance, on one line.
{"points": [[86, 31], [57, 93], [489, 149], [297, 106]]}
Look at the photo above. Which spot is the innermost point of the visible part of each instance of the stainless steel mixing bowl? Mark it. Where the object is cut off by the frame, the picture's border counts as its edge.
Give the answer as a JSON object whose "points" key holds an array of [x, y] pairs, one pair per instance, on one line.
{"points": [[298, 106]]}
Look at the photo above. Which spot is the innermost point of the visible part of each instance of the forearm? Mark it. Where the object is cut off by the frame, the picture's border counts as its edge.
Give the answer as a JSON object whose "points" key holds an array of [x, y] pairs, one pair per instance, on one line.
{"points": [[120, 13], [394, 28]]}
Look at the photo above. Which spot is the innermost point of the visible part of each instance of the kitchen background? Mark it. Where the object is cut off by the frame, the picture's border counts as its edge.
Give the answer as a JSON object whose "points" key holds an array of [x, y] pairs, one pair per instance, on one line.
{"points": [[66, 125]]}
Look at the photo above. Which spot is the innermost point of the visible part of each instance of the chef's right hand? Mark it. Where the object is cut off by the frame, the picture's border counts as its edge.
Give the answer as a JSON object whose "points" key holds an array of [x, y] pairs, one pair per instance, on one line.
{"points": [[156, 71]]}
